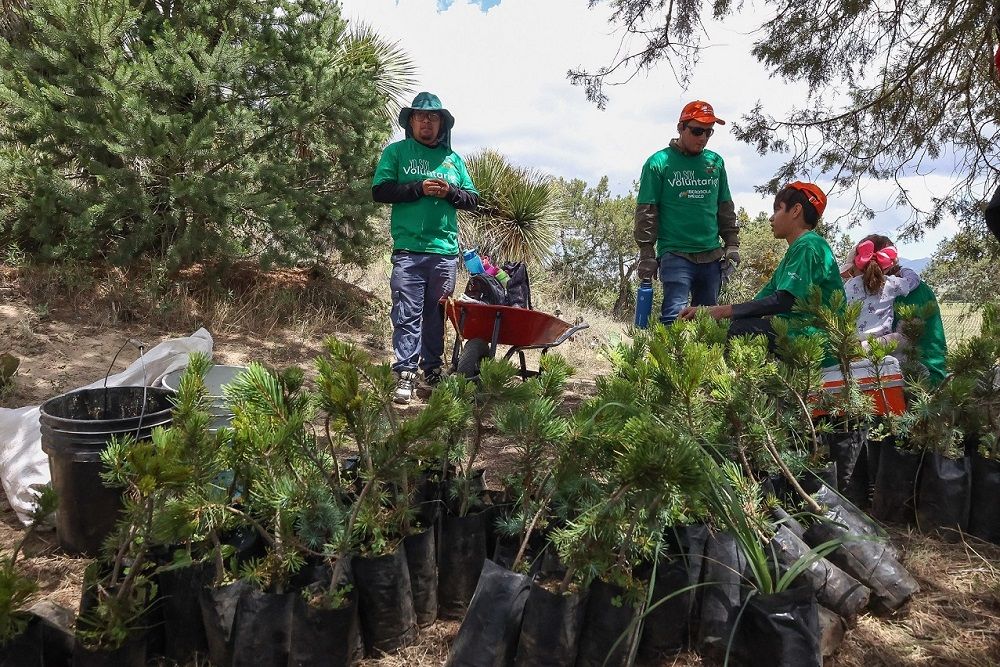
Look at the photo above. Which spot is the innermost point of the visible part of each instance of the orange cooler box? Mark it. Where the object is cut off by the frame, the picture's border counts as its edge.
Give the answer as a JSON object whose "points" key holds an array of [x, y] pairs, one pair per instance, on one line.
{"points": [[888, 400]]}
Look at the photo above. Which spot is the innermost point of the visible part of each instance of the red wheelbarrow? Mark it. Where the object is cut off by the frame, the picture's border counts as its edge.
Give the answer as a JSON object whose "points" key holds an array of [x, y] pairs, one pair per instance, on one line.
{"points": [[484, 326]]}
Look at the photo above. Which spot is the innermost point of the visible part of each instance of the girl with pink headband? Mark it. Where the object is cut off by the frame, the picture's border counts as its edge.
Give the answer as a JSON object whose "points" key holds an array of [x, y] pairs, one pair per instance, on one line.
{"points": [[877, 279]]}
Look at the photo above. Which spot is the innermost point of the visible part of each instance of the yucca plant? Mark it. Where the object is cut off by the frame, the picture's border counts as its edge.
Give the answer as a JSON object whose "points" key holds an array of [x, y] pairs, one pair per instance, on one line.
{"points": [[392, 71], [519, 212]]}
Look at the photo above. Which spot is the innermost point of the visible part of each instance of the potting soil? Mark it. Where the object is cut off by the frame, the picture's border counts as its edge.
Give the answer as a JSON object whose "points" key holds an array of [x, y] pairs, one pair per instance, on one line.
{"points": [[218, 613], [670, 619], [262, 636], [845, 449], [864, 556], [132, 653], [421, 561], [721, 593], [25, 650], [178, 599], [325, 637]]}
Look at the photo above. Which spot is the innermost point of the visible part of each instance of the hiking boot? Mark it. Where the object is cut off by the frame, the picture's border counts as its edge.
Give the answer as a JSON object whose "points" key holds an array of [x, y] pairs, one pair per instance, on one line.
{"points": [[404, 387], [432, 378]]}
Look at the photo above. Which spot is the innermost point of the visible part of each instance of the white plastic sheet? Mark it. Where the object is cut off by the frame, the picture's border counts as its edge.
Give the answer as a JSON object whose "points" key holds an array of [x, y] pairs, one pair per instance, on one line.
{"points": [[23, 464]]}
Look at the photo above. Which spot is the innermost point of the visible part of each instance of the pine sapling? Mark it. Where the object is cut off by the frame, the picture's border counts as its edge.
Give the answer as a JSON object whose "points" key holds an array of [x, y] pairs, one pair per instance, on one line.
{"points": [[355, 394], [16, 589]]}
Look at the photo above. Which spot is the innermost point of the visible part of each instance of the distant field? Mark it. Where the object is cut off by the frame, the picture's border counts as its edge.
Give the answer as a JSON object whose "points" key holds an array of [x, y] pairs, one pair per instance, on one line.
{"points": [[961, 320]]}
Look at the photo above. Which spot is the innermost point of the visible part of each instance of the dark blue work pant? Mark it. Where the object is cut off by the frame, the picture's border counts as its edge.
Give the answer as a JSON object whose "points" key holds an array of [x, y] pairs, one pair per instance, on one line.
{"points": [[418, 282]]}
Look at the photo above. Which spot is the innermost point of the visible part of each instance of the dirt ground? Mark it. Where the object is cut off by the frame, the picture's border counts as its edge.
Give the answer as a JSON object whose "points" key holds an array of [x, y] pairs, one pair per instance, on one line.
{"points": [[954, 620]]}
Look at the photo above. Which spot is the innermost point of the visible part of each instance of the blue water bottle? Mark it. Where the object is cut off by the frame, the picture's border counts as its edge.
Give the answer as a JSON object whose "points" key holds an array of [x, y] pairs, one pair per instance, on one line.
{"points": [[643, 304], [472, 262]]}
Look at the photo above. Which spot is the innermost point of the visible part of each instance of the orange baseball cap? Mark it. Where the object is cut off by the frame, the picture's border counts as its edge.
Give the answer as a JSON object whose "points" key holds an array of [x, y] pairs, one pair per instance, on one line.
{"points": [[701, 112], [812, 193]]}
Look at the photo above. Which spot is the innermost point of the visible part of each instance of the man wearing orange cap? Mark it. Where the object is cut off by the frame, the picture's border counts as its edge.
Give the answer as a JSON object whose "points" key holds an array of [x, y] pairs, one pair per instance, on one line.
{"points": [[682, 210], [808, 262]]}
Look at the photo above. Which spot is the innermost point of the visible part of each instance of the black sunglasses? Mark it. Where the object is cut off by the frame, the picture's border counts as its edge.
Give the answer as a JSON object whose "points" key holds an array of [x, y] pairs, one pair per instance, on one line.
{"points": [[698, 131]]}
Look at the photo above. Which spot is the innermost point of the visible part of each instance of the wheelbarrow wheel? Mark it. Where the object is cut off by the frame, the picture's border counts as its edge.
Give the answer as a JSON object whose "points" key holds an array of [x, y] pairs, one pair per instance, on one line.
{"points": [[473, 351]]}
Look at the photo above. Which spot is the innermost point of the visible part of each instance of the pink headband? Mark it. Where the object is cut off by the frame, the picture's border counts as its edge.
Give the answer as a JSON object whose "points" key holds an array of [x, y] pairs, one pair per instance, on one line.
{"points": [[865, 253]]}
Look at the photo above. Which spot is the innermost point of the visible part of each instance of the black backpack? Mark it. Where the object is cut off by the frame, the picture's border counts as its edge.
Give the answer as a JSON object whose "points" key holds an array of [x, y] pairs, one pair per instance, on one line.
{"points": [[486, 288], [518, 288]]}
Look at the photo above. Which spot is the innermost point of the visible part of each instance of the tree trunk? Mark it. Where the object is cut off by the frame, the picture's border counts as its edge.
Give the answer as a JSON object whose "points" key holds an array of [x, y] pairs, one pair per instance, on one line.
{"points": [[625, 301]]}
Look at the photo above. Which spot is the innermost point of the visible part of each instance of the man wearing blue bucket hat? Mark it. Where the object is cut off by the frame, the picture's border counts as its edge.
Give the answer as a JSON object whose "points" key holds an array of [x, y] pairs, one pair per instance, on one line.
{"points": [[426, 183]]}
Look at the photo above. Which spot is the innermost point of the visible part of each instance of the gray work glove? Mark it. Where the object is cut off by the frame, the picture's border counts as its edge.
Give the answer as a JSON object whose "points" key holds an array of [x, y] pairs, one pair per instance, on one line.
{"points": [[730, 260], [648, 266]]}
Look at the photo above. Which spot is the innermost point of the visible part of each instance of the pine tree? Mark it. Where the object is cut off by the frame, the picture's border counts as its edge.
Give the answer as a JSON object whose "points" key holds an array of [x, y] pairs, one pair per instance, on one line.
{"points": [[892, 87], [188, 132]]}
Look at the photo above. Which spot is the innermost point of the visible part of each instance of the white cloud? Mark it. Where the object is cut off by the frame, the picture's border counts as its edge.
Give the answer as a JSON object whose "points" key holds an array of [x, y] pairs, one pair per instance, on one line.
{"points": [[502, 73]]}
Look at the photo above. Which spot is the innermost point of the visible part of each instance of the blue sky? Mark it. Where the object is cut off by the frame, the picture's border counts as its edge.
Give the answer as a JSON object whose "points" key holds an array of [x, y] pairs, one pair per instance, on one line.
{"points": [[484, 4], [500, 67]]}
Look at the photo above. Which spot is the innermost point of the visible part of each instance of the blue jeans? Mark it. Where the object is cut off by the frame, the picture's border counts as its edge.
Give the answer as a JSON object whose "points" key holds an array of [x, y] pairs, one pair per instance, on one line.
{"points": [[418, 282], [682, 278]]}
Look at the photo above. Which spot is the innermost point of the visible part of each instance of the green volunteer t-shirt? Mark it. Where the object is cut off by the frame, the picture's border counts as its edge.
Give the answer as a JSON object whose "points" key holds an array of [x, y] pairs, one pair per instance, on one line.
{"points": [[808, 261], [429, 224], [931, 347], [687, 190]]}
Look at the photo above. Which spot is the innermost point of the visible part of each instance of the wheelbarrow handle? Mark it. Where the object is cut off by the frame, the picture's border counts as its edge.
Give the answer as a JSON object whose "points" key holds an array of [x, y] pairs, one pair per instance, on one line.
{"points": [[569, 332]]}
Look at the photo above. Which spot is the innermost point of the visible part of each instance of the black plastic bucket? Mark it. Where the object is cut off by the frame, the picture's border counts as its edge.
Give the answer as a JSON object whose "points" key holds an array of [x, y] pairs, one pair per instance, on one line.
{"points": [[75, 428]]}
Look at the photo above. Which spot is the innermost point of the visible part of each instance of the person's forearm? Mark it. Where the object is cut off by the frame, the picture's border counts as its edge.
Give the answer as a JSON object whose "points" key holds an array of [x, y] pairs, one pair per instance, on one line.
{"points": [[647, 221], [463, 200], [729, 228], [779, 302], [391, 192]]}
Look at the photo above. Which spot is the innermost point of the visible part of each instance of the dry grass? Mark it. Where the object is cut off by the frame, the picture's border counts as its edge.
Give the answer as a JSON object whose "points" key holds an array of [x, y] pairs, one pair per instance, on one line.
{"points": [[59, 577], [240, 299], [961, 321], [954, 620], [431, 648]]}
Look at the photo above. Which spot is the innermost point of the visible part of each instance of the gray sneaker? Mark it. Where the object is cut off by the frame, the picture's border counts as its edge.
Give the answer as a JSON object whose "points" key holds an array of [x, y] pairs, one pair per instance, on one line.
{"points": [[404, 387]]}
